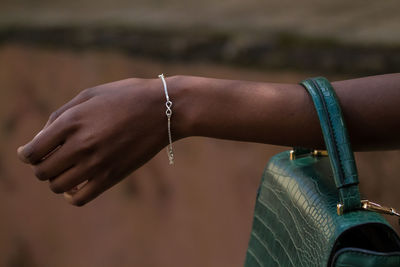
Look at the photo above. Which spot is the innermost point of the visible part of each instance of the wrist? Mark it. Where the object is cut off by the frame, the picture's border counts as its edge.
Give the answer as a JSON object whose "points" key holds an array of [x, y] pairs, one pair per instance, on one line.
{"points": [[181, 94], [196, 102], [204, 106]]}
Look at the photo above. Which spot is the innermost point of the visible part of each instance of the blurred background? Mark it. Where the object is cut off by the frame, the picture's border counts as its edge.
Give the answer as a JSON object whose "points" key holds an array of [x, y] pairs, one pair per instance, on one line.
{"points": [[199, 212]]}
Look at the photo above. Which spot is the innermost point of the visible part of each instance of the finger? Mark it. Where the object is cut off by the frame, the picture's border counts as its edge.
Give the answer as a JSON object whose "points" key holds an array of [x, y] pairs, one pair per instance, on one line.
{"points": [[57, 162], [45, 142], [80, 98], [69, 179], [20, 149], [92, 189]]}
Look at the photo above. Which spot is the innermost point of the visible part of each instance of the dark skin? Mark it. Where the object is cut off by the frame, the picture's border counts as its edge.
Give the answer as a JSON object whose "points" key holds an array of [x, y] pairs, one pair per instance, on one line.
{"points": [[108, 131]]}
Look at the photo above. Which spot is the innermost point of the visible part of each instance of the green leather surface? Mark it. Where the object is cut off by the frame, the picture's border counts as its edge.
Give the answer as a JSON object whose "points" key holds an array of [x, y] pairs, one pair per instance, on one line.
{"points": [[336, 140], [295, 220], [363, 258]]}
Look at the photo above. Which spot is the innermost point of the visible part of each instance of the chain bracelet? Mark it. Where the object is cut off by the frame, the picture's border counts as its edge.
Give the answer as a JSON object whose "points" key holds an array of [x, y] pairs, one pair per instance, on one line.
{"points": [[168, 112]]}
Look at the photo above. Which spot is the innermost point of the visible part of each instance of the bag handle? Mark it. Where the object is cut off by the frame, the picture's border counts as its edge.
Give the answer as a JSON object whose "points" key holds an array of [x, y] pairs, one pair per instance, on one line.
{"points": [[337, 142]]}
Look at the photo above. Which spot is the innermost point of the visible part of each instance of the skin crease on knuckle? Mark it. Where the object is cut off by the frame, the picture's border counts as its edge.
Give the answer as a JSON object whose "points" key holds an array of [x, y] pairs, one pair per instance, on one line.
{"points": [[53, 116], [88, 142], [71, 116], [71, 121], [87, 93]]}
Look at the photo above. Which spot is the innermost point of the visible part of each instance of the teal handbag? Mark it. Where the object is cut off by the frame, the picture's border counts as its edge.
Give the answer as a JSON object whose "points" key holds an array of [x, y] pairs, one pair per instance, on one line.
{"points": [[309, 211]]}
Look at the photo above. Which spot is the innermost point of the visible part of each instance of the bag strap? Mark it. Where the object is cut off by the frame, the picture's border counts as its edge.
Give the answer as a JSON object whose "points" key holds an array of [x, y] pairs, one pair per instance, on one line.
{"points": [[337, 142]]}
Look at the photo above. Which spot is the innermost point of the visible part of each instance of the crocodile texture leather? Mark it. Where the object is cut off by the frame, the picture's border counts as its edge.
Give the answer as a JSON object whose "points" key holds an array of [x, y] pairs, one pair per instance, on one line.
{"points": [[336, 140], [295, 219]]}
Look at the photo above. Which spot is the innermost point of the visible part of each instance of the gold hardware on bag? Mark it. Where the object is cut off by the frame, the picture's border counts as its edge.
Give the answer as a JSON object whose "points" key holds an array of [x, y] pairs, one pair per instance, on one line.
{"points": [[369, 205], [314, 153], [320, 153], [292, 155], [339, 208]]}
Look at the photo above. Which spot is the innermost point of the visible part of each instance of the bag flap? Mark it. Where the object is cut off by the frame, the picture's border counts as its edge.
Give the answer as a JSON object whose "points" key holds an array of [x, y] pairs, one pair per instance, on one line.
{"points": [[365, 258]]}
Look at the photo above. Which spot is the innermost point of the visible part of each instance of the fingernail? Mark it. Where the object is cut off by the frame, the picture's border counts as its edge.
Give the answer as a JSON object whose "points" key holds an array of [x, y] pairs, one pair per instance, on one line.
{"points": [[67, 196], [21, 154], [81, 185]]}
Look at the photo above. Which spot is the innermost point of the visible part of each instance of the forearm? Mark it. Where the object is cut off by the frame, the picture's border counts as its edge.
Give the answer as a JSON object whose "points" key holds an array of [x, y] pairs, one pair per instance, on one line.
{"points": [[283, 114]]}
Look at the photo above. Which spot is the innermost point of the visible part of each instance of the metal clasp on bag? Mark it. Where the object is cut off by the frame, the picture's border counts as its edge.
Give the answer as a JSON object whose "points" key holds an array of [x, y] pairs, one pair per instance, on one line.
{"points": [[369, 205], [320, 153], [314, 153], [372, 206]]}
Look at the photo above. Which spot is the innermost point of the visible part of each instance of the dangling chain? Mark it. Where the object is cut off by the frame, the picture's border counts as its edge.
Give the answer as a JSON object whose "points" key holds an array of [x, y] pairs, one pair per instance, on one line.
{"points": [[168, 112]]}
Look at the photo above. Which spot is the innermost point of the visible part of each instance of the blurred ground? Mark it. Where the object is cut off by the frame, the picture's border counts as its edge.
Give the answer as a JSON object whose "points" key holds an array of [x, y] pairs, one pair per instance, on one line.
{"points": [[359, 37], [199, 212], [356, 21]]}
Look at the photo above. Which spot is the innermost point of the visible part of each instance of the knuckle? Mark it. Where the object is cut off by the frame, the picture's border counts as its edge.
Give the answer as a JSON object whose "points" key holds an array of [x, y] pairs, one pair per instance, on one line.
{"points": [[93, 161], [40, 173], [86, 143], [56, 188], [71, 120], [78, 202], [86, 93], [71, 115], [86, 150], [53, 116]]}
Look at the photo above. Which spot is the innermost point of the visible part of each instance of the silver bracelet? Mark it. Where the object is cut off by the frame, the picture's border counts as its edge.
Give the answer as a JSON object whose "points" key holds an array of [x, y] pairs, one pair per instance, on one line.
{"points": [[168, 112]]}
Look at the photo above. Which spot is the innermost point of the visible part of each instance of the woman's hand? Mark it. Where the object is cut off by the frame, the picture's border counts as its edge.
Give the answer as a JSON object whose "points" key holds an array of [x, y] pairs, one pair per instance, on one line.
{"points": [[100, 136]]}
